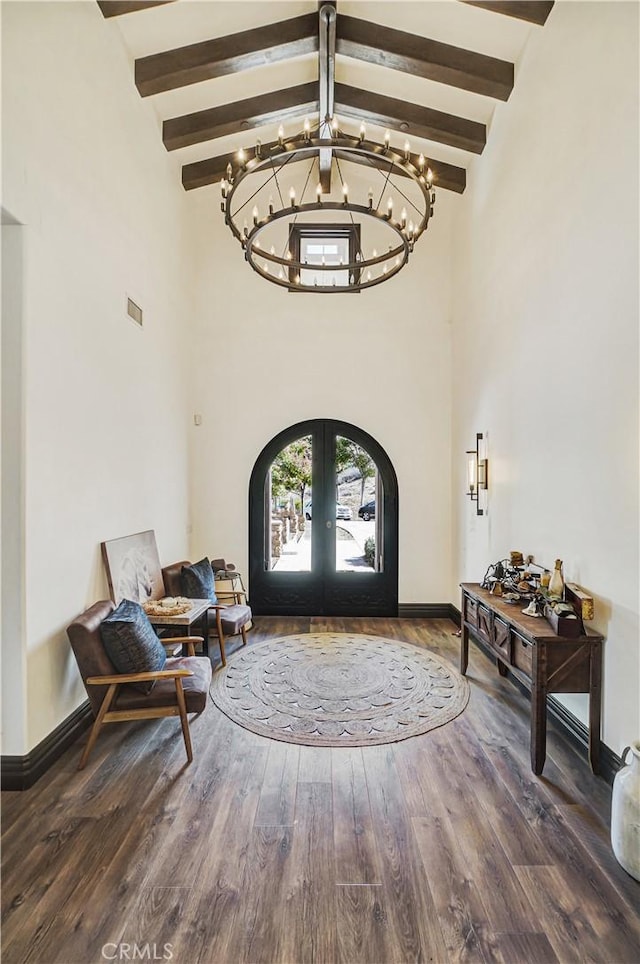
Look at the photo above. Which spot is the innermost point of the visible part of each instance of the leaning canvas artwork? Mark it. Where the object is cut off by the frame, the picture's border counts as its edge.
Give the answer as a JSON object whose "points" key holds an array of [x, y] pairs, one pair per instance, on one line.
{"points": [[133, 567]]}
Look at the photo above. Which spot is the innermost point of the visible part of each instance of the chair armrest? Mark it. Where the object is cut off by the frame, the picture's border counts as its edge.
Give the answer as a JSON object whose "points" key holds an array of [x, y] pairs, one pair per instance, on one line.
{"points": [[236, 593], [181, 639], [137, 677], [223, 606], [173, 643]]}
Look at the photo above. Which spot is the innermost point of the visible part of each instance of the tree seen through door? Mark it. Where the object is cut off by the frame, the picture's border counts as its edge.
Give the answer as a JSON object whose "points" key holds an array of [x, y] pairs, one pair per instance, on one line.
{"points": [[290, 517], [357, 484]]}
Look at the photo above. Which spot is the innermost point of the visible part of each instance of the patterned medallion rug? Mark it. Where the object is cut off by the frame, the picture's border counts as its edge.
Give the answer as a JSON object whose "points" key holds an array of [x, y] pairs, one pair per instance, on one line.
{"points": [[339, 689]]}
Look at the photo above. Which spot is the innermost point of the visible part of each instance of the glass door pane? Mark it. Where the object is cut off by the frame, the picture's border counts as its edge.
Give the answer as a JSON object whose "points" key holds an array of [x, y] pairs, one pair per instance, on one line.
{"points": [[289, 509], [358, 489]]}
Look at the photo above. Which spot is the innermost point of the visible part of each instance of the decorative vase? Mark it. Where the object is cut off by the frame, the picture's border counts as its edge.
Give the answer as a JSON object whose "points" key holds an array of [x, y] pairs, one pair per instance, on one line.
{"points": [[556, 583], [625, 813]]}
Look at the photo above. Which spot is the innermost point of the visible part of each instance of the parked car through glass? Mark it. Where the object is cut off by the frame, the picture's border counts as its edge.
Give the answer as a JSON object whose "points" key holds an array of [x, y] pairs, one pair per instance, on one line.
{"points": [[368, 510], [342, 511]]}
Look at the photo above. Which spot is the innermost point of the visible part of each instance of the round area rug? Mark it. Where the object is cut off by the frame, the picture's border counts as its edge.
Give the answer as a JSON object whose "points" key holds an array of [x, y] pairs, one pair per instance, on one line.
{"points": [[338, 689]]}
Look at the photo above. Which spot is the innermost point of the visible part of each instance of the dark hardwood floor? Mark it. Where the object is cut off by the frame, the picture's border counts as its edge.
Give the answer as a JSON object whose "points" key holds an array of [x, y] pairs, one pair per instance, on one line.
{"points": [[441, 848]]}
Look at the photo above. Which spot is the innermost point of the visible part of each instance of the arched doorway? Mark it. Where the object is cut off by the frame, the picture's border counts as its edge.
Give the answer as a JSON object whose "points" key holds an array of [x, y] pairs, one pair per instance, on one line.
{"points": [[323, 524]]}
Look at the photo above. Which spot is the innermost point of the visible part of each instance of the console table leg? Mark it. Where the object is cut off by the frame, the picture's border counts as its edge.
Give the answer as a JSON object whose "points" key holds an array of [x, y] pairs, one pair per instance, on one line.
{"points": [[595, 699], [539, 708], [464, 649], [538, 729]]}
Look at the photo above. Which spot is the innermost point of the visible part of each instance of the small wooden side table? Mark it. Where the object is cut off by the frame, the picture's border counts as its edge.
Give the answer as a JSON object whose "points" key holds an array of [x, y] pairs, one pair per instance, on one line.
{"points": [[199, 611]]}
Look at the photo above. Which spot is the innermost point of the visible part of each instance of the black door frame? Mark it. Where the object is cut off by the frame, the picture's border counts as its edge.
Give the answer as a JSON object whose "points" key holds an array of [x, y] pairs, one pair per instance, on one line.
{"points": [[323, 591]]}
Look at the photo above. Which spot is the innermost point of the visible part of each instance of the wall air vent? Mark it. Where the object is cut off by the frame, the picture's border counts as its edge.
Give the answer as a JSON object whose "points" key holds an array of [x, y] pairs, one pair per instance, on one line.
{"points": [[134, 311]]}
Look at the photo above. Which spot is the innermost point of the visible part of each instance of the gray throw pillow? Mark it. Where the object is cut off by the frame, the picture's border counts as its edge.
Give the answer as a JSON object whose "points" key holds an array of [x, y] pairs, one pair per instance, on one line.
{"points": [[131, 643], [197, 581]]}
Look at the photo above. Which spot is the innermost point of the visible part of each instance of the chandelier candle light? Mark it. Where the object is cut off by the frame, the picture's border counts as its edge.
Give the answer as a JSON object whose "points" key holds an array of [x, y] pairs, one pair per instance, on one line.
{"points": [[308, 186]]}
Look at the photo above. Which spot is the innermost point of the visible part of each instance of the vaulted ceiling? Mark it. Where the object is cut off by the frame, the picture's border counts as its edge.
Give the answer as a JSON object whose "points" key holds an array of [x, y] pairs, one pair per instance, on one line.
{"points": [[221, 73]]}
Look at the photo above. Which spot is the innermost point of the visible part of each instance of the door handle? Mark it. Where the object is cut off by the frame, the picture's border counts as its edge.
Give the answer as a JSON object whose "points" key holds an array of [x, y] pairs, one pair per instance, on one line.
{"points": [[328, 523]]}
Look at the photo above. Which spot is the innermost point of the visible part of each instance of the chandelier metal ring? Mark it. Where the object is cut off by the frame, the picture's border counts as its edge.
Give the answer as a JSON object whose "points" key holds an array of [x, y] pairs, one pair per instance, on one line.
{"points": [[348, 149], [327, 256]]}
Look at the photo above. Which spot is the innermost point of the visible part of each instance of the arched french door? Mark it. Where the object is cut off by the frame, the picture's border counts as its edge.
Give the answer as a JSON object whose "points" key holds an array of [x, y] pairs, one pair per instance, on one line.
{"points": [[323, 524]]}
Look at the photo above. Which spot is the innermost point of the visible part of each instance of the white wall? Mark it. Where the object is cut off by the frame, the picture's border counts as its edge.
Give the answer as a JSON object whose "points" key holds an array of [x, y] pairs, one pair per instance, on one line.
{"points": [[546, 330], [105, 403], [266, 359], [14, 717]]}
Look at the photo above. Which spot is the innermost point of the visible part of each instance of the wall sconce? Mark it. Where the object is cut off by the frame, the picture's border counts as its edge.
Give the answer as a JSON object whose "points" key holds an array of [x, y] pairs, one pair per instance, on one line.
{"points": [[477, 472]]}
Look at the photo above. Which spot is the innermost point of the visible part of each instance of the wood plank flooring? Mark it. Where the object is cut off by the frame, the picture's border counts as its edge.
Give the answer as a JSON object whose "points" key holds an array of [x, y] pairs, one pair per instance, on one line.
{"points": [[440, 848]]}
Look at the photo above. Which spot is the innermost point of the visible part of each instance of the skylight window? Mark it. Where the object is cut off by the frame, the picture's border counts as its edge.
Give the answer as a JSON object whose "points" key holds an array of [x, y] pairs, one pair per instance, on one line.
{"points": [[327, 246]]}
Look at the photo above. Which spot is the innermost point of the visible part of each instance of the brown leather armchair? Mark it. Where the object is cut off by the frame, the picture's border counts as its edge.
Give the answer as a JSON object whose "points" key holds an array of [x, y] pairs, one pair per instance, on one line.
{"points": [[230, 619], [181, 686]]}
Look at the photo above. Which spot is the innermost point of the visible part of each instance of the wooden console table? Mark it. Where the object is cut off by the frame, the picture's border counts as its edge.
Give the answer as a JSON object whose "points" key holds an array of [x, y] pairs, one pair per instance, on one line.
{"points": [[543, 662]]}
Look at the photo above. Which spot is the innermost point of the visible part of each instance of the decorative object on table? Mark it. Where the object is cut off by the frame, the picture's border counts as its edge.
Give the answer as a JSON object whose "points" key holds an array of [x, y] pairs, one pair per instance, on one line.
{"points": [[534, 584], [584, 602], [339, 689], [565, 625], [497, 573], [563, 615], [516, 559], [133, 568], [168, 606], [556, 583], [566, 605], [501, 578], [625, 812]]}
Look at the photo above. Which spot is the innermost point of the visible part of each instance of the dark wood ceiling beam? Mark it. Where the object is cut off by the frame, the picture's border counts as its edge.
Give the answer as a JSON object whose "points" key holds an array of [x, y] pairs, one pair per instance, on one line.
{"points": [[241, 115], [447, 176], [533, 11], [430, 59], [410, 119], [214, 169], [227, 55], [117, 8]]}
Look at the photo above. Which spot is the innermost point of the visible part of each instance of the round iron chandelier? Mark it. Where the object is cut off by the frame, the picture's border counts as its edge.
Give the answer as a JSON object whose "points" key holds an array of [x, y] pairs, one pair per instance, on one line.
{"points": [[301, 225]]}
